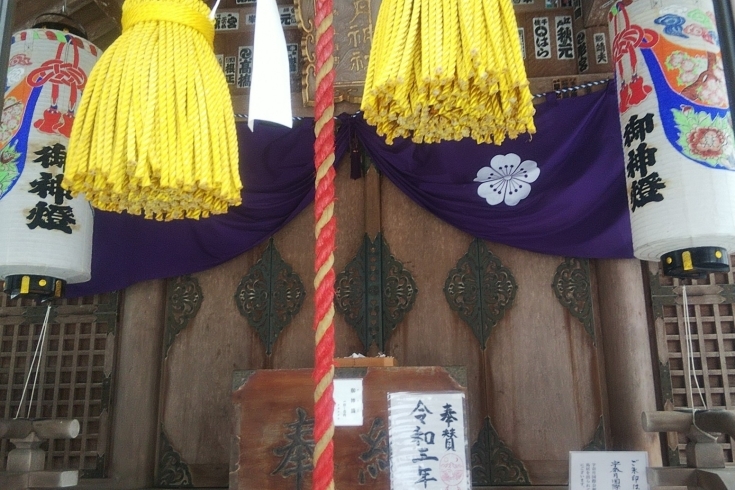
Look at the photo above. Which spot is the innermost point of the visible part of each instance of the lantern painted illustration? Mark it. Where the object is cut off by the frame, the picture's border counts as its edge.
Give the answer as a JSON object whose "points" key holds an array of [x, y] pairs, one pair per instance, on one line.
{"points": [[46, 234], [677, 133]]}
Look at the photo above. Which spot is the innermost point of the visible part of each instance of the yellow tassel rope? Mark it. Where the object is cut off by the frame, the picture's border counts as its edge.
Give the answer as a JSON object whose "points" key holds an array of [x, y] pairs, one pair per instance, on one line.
{"points": [[447, 70], [155, 130]]}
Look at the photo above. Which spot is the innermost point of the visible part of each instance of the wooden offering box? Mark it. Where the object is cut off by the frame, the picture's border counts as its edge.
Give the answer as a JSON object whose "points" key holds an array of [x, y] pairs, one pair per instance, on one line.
{"points": [[358, 362], [274, 421]]}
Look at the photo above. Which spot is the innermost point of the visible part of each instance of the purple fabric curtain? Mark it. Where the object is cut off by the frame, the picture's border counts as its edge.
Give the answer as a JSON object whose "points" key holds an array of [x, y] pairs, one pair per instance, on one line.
{"points": [[277, 168], [564, 192]]}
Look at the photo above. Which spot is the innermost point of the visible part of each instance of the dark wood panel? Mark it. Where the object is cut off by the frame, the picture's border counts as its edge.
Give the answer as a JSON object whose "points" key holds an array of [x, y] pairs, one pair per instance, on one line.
{"points": [[431, 334], [295, 346], [197, 372], [538, 378], [544, 383]]}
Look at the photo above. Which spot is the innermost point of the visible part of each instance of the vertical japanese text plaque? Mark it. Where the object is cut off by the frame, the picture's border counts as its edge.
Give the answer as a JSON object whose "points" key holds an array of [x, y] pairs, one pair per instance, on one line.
{"points": [[428, 443], [354, 24], [608, 470]]}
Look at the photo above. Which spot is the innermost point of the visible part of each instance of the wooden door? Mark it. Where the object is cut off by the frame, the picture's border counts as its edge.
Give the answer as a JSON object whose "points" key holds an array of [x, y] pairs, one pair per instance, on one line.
{"points": [[534, 387], [207, 339], [535, 390]]}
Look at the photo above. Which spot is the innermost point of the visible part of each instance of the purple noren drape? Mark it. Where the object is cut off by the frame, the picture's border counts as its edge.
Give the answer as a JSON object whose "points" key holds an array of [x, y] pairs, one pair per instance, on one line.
{"points": [[574, 204], [277, 168]]}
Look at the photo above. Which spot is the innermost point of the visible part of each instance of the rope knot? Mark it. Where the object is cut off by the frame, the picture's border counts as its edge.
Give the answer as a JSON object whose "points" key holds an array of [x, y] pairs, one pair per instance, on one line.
{"points": [[168, 11]]}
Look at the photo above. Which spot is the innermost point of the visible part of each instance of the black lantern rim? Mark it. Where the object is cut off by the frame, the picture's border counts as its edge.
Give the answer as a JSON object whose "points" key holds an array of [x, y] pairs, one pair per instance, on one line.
{"points": [[695, 262], [60, 22], [40, 288]]}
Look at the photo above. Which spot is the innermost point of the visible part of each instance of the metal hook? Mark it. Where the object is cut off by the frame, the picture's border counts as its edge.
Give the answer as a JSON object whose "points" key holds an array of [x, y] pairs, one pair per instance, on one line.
{"points": [[63, 8]]}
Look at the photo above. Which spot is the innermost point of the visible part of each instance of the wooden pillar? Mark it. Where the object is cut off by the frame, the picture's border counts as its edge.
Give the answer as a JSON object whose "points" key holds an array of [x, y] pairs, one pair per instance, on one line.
{"points": [[7, 8], [135, 409], [627, 352]]}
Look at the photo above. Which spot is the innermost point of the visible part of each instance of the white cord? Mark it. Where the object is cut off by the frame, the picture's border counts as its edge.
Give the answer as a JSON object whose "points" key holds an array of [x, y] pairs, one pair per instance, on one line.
{"points": [[213, 12], [690, 348], [35, 363]]}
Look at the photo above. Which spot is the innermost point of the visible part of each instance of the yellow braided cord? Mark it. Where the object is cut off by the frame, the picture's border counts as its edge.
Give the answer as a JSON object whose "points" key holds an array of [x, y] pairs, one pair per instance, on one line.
{"points": [[447, 70], [188, 14], [155, 131]]}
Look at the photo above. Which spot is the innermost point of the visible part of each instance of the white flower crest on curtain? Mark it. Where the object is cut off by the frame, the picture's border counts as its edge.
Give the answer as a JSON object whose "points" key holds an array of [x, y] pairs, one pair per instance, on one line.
{"points": [[507, 179]]}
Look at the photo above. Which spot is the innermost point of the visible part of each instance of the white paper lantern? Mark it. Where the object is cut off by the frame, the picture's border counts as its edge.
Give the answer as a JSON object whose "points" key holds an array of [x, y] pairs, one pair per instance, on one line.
{"points": [[46, 234], [677, 133]]}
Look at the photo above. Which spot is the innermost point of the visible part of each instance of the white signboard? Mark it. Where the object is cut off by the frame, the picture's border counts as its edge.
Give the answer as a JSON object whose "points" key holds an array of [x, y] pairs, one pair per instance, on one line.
{"points": [[608, 470], [230, 68], [600, 48], [564, 37], [541, 38], [286, 14], [428, 445], [348, 402]]}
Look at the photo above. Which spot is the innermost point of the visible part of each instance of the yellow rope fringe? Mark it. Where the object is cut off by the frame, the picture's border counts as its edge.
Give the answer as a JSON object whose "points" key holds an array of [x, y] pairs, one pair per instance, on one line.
{"points": [[447, 70], [155, 131]]}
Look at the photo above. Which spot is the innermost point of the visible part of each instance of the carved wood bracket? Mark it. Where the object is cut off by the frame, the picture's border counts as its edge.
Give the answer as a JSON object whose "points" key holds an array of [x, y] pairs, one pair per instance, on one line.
{"points": [[493, 463], [374, 292], [172, 471], [573, 290], [184, 297], [270, 295], [480, 289]]}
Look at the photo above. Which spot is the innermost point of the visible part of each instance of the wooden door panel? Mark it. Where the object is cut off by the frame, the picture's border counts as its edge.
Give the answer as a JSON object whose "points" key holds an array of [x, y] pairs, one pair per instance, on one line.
{"points": [[194, 381], [431, 334], [534, 391], [537, 379], [196, 373], [543, 387]]}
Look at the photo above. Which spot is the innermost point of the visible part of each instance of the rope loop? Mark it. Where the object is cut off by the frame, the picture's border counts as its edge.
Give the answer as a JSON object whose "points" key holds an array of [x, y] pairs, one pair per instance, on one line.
{"points": [[168, 11], [155, 132]]}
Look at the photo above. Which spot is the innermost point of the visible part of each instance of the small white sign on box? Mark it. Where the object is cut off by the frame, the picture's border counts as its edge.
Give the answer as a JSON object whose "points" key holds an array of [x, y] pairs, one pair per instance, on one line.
{"points": [[348, 402], [608, 470]]}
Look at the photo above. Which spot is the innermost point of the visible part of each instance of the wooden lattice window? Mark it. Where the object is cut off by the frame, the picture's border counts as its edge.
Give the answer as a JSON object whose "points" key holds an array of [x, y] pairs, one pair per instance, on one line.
{"points": [[712, 325], [75, 379]]}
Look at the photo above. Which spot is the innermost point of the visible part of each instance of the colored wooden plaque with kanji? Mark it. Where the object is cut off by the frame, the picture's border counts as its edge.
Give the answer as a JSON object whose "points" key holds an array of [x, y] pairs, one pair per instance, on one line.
{"points": [[274, 427]]}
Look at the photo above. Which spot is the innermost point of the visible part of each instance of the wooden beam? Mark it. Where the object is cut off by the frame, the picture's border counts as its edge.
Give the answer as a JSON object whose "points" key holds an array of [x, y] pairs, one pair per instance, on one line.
{"points": [[7, 8], [595, 12], [27, 12], [96, 23], [98, 17], [100, 29], [111, 8]]}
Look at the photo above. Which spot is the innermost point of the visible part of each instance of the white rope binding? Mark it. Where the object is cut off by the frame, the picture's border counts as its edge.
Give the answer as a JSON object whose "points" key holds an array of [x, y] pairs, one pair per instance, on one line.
{"points": [[35, 364], [690, 349]]}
